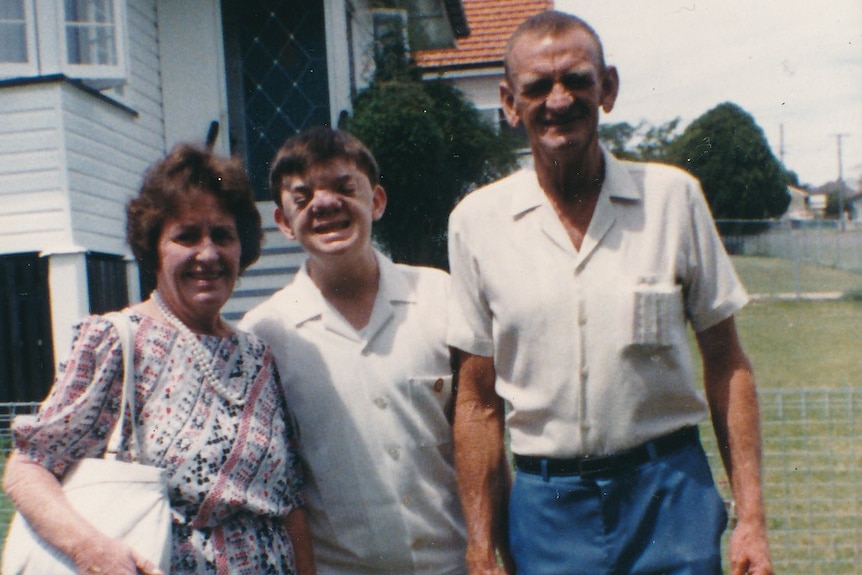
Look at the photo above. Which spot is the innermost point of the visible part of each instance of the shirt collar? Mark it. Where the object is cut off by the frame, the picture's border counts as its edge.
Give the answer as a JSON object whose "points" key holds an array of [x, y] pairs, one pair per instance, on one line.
{"points": [[618, 184], [307, 303]]}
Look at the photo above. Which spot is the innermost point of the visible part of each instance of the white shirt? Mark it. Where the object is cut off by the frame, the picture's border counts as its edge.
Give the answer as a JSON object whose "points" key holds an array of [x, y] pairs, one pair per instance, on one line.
{"points": [[370, 407], [590, 346]]}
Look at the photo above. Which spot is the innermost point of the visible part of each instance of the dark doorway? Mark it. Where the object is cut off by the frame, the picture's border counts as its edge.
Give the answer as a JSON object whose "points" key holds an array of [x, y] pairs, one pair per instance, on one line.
{"points": [[26, 349], [275, 54]]}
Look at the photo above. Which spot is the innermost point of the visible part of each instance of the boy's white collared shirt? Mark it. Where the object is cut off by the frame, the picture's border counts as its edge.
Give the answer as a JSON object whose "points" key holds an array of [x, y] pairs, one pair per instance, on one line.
{"points": [[371, 406]]}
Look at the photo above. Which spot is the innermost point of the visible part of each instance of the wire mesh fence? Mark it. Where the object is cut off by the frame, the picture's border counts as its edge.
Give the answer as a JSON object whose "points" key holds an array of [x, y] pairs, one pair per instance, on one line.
{"points": [[812, 474], [812, 477]]}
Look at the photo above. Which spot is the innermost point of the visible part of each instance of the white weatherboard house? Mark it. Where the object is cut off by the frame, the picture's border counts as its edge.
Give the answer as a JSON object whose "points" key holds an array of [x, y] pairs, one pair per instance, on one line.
{"points": [[94, 91]]}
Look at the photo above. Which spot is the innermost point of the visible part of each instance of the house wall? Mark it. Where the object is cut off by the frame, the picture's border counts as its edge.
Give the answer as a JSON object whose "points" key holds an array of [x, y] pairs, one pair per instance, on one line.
{"points": [[481, 88], [191, 44], [70, 158], [33, 204], [105, 153]]}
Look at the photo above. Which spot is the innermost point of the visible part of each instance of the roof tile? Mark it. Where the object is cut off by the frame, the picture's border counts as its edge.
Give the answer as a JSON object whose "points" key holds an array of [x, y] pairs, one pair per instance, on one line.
{"points": [[491, 23]]}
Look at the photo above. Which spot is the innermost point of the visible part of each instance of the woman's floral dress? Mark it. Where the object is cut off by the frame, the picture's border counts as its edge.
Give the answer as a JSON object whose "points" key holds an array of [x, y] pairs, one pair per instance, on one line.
{"points": [[228, 448]]}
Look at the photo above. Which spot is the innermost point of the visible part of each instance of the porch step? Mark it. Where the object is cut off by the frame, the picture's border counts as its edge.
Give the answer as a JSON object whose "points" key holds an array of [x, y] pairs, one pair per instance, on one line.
{"points": [[279, 260]]}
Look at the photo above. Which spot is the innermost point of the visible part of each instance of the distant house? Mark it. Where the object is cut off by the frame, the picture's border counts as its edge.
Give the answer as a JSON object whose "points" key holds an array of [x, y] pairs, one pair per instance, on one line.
{"points": [[855, 202], [93, 91], [803, 206], [475, 63], [831, 193]]}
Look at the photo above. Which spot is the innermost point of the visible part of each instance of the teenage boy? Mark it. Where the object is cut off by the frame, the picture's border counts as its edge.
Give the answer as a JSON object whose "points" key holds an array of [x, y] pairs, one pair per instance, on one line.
{"points": [[360, 344]]}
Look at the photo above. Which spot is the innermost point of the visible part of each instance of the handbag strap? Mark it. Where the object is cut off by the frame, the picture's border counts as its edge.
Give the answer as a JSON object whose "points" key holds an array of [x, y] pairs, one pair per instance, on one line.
{"points": [[127, 402]]}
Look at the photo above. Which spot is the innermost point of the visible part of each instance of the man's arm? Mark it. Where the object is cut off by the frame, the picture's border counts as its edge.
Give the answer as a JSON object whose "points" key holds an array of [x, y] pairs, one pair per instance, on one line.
{"points": [[480, 459], [732, 397]]}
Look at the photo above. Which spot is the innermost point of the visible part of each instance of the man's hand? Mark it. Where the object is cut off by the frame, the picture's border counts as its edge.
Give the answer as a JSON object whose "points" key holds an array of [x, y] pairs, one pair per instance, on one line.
{"points": [[485, 563], [749, 550]]}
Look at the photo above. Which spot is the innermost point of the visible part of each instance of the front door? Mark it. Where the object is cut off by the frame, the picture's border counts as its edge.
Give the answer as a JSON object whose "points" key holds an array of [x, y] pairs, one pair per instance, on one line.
{"points": [[275, 51]]}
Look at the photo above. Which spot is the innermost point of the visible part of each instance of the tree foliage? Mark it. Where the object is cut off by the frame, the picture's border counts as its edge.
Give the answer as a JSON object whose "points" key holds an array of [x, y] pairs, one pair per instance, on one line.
{"points": [[741, 177], [644, 142], [433, 146]]}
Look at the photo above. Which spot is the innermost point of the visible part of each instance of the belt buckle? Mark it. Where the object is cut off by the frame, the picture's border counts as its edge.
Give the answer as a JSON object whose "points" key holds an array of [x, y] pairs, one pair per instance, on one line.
{"points": [[590, 466]]}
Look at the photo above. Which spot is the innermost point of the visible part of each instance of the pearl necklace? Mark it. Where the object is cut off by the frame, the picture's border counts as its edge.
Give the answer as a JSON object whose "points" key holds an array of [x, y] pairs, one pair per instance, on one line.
{"points": [[202, 357]]}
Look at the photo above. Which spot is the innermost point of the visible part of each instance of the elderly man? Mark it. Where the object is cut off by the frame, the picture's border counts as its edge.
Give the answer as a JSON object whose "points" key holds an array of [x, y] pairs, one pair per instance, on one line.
{"points": [[572, 285]]}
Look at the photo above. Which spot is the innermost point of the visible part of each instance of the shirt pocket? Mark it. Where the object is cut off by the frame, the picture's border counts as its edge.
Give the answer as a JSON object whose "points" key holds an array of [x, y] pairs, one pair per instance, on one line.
{"points": [[657, 314], [430, 399]]}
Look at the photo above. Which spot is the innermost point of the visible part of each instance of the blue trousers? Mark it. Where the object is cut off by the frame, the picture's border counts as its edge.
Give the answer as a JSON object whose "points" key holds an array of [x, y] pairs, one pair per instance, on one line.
{"points": [[664, 517]]}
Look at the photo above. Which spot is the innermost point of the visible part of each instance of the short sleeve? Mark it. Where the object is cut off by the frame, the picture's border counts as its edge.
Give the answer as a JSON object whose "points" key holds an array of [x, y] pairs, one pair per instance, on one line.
{"points": [[79, 413], [470, 319], [714, 291]]}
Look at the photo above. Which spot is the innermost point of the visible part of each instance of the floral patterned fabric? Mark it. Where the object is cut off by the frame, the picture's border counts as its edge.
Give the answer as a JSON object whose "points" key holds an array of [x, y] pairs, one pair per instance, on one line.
{"points": [[233, 472]]}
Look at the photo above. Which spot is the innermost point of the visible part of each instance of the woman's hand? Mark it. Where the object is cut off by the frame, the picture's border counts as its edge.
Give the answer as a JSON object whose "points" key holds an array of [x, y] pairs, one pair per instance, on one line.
{"points": [[38, 496], [106, 556]]}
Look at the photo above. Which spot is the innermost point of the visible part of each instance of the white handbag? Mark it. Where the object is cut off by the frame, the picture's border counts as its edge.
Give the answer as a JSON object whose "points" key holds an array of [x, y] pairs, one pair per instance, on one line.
{"points": [[128, 501]]}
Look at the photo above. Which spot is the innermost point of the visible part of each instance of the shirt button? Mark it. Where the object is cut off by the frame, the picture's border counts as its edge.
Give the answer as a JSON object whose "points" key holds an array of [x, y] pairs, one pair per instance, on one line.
{"points": [[381, 402], [394, 453], [438, 385]]}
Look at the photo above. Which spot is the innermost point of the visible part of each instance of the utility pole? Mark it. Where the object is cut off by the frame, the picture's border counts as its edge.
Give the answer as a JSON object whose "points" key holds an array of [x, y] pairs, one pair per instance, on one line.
{"points": [[838, 138], [781, 145]]}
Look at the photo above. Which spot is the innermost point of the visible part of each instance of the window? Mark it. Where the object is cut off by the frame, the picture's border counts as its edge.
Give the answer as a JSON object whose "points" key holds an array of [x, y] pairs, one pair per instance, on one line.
{"points": [[83, 39], [390, 32], [18, 47]]}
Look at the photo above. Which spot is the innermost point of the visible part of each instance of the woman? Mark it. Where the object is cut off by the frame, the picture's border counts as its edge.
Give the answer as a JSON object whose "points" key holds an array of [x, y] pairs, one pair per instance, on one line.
{"points": [[208, 398]]}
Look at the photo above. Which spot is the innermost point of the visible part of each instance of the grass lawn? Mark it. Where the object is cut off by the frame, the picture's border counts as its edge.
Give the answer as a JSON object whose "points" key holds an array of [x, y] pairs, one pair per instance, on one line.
{"points": [[803, 344], [800, 343]]}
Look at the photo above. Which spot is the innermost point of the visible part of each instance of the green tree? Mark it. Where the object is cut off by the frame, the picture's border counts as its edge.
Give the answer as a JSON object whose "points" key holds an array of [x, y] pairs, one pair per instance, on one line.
{"points": [[741, 177], [644, 142], [617, 139], [433, 146]]}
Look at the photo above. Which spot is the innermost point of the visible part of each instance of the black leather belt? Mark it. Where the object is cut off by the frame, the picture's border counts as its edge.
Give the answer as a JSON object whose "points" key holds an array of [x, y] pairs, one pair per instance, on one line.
{"points": [[608, 464]]}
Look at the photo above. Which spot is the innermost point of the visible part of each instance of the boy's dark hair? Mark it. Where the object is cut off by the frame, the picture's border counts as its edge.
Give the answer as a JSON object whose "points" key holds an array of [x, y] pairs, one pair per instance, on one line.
{"points": [[315, 146]]}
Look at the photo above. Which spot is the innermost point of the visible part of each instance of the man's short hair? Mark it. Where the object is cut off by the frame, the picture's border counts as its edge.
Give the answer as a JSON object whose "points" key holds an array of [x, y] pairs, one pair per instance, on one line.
{"points": [[317, 145], [550, 23]]}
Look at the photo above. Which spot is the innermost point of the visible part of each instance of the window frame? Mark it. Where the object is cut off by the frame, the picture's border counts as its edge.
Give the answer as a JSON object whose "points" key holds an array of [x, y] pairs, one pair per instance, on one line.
{"points": [[47, 47], [31, 66], [100, 76]]}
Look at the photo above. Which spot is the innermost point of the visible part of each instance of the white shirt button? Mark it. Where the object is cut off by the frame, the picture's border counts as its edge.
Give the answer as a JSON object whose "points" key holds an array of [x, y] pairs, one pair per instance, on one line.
{"points": [[381, 402]]}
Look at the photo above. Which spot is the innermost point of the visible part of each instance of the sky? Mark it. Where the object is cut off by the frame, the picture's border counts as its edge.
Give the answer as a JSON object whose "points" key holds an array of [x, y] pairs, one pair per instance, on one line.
{"points": [[794, 65]]}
